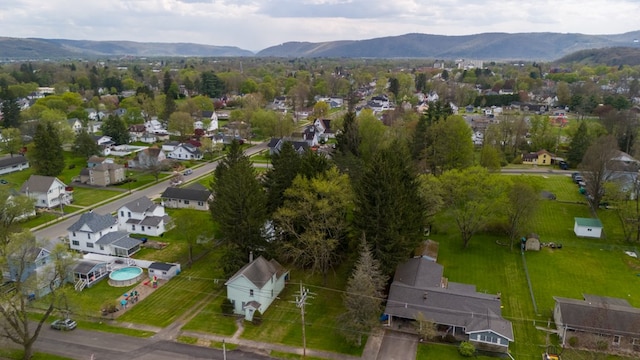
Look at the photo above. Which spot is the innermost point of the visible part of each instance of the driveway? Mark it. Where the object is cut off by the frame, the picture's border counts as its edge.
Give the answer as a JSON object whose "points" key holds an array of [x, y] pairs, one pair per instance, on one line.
{"points": [[398, 346]]}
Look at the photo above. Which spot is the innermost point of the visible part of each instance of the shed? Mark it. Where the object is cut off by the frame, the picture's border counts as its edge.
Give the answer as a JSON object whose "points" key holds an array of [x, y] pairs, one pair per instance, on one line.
{"points": [[588, 227], [532, 243], [163, 270]]}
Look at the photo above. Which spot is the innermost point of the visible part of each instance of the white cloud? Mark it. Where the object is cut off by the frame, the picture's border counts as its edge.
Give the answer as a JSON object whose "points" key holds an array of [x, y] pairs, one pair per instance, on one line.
{"points": [[257, 24]]}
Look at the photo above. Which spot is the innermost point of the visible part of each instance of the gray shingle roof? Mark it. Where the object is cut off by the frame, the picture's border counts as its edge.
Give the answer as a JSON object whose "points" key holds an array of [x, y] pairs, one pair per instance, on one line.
{"points": [[38, 183], [10, 161], [94, 221], [85, 266], [418, 287], [259, 271], [161, 266], [126, 243], [110, 238], [139, 205], [151, 220], [597, 314], [186, 194]]}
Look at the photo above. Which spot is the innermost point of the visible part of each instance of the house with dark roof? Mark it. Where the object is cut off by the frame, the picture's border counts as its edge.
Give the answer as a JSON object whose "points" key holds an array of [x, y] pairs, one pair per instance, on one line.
{"points": [[255, 286], [419, 287], [185, 151], [99, 234], [11, 164], [148, 157], [164, 271], [87, 273], [47, 191], [597, 320], [542, 157], [194, 197], [143, 216], [275, 145]]}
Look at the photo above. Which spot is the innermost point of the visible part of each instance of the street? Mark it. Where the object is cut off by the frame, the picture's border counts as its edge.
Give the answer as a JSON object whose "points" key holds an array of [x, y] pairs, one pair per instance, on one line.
{"points": [[59, 229]]}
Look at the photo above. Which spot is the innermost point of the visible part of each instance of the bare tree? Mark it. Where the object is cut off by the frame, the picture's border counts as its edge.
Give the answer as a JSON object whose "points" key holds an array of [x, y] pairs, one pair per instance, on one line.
{"points": [[523, 199], [597, 167], [19, 256]]}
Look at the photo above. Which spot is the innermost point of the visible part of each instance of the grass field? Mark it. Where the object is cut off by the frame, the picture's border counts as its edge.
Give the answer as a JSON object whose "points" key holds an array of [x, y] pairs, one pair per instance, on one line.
{"points": [[210, 319], [89, 196], [440, 351]]}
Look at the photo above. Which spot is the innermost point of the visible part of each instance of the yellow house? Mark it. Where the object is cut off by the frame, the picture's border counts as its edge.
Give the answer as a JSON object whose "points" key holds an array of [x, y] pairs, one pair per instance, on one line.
{"points": [[542, 157]]}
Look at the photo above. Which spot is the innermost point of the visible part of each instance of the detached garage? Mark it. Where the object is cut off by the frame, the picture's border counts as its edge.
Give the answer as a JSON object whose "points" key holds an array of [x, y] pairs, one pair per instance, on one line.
{"points": [[587, 227], [163, 271]]}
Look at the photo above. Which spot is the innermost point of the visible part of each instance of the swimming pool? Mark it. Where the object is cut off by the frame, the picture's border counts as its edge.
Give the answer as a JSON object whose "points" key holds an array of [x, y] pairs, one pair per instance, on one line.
{"points": [[126, 276]]}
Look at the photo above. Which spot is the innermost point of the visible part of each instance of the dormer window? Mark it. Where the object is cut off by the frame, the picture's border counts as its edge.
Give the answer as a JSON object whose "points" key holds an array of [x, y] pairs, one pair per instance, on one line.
{"points": [[250, 292]]}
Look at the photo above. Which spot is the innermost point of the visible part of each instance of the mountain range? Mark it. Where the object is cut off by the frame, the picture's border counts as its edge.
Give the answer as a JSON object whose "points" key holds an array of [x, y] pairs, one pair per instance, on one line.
{"points": [[485, 46]]}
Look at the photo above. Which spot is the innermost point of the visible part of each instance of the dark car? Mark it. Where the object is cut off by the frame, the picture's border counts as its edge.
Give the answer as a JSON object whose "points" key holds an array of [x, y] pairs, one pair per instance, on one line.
{"points": [[563, 165], [64, 324]]}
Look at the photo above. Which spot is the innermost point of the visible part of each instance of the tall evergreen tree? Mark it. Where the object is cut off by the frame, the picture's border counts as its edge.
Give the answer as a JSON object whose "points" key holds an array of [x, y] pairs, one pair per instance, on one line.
{"points": [[388, 206], [348, 141], [116, 128], [363, 298], [10, 109], [211, 85], [579, 144], [47, 157], [84, 145], [286, 166], [239, 203]]}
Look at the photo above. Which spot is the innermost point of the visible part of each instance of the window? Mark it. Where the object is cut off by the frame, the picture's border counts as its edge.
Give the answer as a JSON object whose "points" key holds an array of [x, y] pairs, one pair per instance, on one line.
{"points": [[200, 203], [74, 234], [142, 227], [90, 245], [186, 202], [164, 273], [88, 235], [616, 340], [129, 213], [122, 213], [133, 227], [101, 247], [251, 292], [75, 242]]}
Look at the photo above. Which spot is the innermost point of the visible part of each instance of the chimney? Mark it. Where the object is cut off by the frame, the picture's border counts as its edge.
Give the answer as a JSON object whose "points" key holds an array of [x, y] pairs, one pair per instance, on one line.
{"points": [[250, 256]]}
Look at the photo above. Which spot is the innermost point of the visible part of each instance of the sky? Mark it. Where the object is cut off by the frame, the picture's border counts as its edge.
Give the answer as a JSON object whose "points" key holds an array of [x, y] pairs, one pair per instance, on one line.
{"points": [[258, 24]]}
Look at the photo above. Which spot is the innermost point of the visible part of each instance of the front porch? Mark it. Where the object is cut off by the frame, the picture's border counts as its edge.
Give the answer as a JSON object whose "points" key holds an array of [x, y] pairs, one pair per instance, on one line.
{"points": [[88, 272]]}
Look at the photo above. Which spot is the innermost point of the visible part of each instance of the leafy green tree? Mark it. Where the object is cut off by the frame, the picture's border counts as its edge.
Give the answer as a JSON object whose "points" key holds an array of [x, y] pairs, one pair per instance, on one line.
{"points": [[117, 129], [320, 109], [84, 145], [363, 298], [579, 144], [490, 158], [313, 221], [47, 157], [388, 207], [11, 141], [425, 327], [239, 203], [472, 196], [211, 85], [440, 155], [522, 203], [189, 229], [181, 122], [13, 208], [17, 322]]}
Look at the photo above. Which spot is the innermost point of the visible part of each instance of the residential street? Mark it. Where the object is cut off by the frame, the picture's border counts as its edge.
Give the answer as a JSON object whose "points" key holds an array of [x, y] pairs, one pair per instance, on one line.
{"points": [[59, 229]]}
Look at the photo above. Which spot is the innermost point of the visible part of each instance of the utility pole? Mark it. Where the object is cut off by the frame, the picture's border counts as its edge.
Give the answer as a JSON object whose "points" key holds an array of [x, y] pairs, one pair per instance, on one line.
{"points": [[301, 301]]}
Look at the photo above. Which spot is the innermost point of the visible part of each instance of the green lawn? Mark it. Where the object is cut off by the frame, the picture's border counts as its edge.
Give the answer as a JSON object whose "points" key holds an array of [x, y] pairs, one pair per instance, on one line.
{"points": [[18, 354], [177, 296], [90, 196], [262, 157], [211, 320], [442, 351], [282, 321]]}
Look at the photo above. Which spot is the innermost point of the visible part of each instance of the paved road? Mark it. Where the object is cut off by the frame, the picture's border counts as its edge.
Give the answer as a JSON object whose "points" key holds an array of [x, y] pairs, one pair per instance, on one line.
{"points": [[81, 344], [60, 229]]}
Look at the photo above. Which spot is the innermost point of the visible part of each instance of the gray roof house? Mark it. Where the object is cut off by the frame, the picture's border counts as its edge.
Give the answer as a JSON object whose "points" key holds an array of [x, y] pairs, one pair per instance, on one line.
{"points": [[600, 318], [255, 286], [188, 197], [48, 191], [143, 216], [11, 164], [99, 234], [419, 287]]}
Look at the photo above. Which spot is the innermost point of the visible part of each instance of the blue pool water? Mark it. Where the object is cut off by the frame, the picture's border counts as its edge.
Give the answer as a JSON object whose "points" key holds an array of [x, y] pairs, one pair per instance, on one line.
{"points": [[126, 273]]}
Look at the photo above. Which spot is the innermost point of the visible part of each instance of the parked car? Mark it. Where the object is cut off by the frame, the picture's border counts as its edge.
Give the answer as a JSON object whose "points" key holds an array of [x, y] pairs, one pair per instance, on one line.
{"points": [[187, 172], [563, 165], [3, 182], [64, 324]]}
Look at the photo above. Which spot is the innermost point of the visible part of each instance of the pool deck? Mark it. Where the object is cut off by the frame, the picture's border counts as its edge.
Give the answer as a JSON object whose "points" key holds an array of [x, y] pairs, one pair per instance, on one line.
{"points": [[143, 292]]}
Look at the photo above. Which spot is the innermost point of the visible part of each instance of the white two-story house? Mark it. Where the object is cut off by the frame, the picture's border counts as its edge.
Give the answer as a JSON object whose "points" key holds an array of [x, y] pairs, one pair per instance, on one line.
{"points": [[255, 286], [47, 191], [185, 152], [99, 234], [143, 216]]}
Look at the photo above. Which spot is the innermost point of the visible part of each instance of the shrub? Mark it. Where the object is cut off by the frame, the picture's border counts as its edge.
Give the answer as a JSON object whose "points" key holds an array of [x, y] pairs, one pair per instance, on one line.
{"points": [[449, 339], [573, 341], [257, 318], [226, 307], [602, 345], [466, 349]]}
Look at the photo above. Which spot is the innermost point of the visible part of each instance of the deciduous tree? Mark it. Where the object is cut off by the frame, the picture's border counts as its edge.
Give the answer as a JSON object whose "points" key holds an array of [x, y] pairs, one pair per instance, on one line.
{"points": [[84, 145], [182, 123], [523, 201], [11, 141], [597, 167]]}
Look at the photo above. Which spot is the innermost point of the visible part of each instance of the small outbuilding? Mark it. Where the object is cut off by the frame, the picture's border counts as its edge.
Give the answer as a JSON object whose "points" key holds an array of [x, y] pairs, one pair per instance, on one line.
{"points": [[163, 271], [532, 243], [588, 227]]}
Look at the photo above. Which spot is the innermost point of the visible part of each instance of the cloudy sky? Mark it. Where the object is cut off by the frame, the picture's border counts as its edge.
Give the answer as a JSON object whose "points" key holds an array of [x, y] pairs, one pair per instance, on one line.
{"points": [[257, 24]]}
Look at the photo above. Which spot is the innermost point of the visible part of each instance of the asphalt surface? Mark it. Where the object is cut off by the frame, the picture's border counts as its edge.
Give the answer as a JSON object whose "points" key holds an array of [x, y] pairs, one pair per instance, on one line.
{"points": [[59, 229], [81, 344]]}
